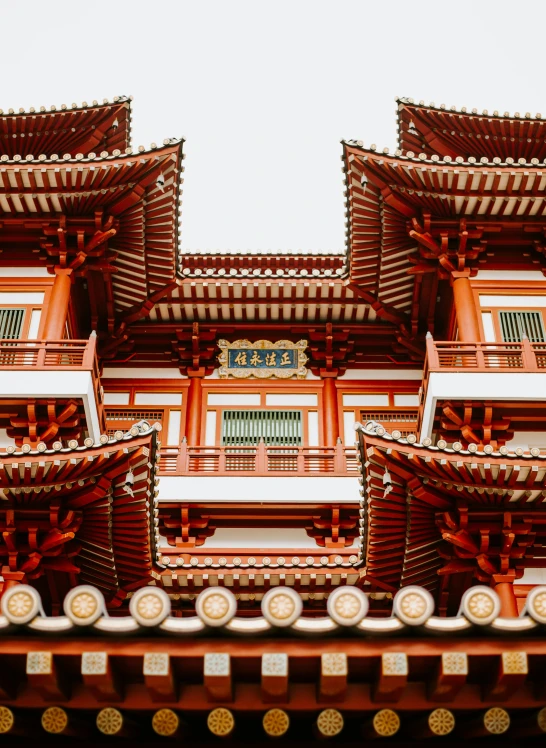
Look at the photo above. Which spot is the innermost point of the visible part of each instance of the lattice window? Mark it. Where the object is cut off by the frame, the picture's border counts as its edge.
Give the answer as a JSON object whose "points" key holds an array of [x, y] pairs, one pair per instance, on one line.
{"points": [[404, 421], [276, 427], [11, 323], [121, 419], [515, 324]]}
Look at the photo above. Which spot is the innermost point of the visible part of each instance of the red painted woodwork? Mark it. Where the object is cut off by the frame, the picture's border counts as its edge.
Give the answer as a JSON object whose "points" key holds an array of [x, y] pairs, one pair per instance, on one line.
{"points": [[457, 132], [509, 605], [74, 514], [477, 421], [465, 309], [450, 518], [193, 413], [257, 460], [419, 230], [31, 420], [187, 526], [78, 129], [56, 312], [329, 409]]}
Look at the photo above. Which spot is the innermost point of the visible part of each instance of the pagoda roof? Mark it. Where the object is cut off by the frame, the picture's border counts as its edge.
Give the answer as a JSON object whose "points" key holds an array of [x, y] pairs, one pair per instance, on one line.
{"points": [[82, 490], [267, 264], [200, 624], [486, 667], [385, 192], [460, 132], [136, 194], [66, 130], [401, 541], [288, 300]]}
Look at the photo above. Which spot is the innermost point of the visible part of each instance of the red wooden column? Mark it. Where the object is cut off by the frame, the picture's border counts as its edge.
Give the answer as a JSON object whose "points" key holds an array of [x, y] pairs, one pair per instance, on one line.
{"points": [[193, 412], [509, 604], [465, 308], [329, 407], [56, 311]]}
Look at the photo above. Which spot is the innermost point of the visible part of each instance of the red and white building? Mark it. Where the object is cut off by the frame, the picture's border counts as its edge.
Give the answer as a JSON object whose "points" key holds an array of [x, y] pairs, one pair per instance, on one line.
{"points": [[179, 457]]}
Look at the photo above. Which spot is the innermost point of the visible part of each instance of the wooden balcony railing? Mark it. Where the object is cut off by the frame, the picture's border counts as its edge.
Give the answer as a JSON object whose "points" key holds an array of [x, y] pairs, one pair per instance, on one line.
{"points": [[55, 355], [484, 357], [258, 460], [47, 355], [480, 357]]}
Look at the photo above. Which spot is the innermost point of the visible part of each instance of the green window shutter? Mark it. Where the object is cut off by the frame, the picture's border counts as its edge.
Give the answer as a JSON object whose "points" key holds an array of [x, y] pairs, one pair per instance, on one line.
{"points": [[516, 324], [278, 428], [11, 323]]}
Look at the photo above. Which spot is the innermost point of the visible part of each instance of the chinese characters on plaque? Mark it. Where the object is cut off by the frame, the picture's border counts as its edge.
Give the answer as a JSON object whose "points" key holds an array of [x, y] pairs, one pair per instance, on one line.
{"points": [[282, 359]]}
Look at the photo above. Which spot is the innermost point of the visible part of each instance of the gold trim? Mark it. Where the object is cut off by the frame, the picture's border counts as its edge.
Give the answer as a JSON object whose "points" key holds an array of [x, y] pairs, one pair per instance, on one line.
{"points": [[226, 371]]}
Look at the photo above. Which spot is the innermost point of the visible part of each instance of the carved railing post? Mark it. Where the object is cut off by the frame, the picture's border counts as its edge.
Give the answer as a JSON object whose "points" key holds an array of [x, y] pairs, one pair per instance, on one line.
{"points": [[339, 457], [222, 460], [431, 360], [182, 460], [528, 354], [261, 458]]}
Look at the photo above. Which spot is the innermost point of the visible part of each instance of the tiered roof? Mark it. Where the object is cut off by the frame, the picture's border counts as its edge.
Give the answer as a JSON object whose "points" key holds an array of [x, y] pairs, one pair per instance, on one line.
{"points": [[123, 206], [428, 509], [414, 218], [73, 514], [459, 132], [67, 130]]}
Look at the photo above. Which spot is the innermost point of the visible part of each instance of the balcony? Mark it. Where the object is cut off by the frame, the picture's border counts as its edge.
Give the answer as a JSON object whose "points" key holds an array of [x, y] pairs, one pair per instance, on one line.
{"points": [[191, 474], [504, 373], [51, 373], [260, 460]]}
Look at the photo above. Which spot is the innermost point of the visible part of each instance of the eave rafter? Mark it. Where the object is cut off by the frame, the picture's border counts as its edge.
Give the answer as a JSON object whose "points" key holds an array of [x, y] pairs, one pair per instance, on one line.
{"points": [[414, 222], [433, 513], [63, 130], [81, 512], [116, 216], [458, 132]]}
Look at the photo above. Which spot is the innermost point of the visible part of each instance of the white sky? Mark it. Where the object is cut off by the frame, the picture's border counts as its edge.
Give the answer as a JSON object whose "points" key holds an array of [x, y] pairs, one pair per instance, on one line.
{"points": [[263, 90]]}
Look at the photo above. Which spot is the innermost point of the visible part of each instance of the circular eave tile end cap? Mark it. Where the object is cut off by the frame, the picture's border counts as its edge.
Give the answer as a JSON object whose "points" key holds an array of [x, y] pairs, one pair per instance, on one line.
{"points": [[347, 606], [150, 606], [480, 605], [21, 604], [276, 722], [330, 722], [413, 605], [282, 606], [535, 605], [216, 606], [7, 719], [84, 605]]}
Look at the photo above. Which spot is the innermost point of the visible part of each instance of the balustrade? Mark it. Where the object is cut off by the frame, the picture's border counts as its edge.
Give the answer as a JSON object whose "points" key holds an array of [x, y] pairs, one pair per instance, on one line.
{"points": [[258, 460]]}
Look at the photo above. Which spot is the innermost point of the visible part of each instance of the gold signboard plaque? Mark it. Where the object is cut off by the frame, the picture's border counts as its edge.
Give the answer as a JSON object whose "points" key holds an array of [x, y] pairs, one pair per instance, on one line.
{"points": [[262, 359]]}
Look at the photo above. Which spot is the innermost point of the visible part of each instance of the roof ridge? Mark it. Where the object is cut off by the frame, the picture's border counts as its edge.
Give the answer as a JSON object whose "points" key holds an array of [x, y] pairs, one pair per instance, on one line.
{"points": [[64, 108], [463, 110]]}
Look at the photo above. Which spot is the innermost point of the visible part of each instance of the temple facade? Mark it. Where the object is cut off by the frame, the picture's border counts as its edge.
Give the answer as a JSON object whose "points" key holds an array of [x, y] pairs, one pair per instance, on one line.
{"points": [[273, 495]]}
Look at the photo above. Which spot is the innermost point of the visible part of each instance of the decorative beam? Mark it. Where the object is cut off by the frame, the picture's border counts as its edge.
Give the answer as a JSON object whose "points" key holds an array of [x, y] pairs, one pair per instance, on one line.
{"points": [[392, 677], [99, 676], [159, 677], [333, 676], [43, 675], [274, 677], [449, 677], [511, 673], [217, 676]]}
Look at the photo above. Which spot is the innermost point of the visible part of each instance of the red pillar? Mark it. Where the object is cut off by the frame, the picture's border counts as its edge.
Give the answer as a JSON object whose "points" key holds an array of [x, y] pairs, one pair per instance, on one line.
{"points": [[56, 311], [509, 604], [193, 412], [329, 408], [465, 309]]}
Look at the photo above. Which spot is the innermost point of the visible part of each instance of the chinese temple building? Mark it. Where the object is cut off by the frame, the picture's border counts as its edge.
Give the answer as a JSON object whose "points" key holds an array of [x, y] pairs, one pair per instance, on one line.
{"points": [[292, 495]]}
